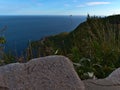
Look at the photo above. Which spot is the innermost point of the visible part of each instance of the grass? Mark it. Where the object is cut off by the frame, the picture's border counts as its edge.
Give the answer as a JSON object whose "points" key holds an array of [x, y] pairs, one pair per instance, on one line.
{"points": [[93, 47], [101, 48]]}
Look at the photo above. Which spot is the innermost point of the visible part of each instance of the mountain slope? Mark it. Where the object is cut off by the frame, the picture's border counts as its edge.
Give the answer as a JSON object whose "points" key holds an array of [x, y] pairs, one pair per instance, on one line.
{"points": [[94, 46]]}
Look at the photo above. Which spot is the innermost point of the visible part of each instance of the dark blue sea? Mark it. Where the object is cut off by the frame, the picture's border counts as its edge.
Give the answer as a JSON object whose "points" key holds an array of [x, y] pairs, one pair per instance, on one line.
{"points": [[22, 29]]}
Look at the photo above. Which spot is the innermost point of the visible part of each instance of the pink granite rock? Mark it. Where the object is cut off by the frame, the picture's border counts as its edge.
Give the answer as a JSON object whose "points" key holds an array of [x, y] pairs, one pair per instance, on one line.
{"points": [[47, 73], [112, 82]]}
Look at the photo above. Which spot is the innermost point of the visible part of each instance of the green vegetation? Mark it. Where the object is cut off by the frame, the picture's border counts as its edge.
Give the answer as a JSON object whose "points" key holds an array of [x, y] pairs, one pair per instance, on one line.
{"points": [[5, 58], [94, 46], [2, 41]]}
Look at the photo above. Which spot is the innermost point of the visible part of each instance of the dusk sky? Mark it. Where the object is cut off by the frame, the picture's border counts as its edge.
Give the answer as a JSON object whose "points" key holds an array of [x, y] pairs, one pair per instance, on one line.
{"points": [[59, 7]]}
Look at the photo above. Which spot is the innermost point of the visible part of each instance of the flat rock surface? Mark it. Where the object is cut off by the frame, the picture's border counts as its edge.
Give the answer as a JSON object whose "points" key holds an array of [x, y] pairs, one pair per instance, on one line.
{"points": [[47, 73]]}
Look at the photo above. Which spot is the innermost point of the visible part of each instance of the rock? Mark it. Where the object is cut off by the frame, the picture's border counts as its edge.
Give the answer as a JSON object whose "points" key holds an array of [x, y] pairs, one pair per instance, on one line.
{"points": [[47, 73], [100, 84], [112, 82], [115, 74], [3, 88]]}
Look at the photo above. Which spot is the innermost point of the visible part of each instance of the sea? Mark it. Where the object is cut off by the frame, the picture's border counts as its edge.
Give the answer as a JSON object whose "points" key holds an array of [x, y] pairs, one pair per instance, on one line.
{"points": [[20, 30]]}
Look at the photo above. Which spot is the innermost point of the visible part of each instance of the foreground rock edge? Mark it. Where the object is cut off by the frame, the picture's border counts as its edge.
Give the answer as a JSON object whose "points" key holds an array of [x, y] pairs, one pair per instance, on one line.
{"points": [[46, 73], [112, 82]]}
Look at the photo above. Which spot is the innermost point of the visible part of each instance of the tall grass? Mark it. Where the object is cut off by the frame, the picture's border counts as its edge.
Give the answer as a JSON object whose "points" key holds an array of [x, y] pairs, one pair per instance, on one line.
{"points": [[2, 42], [102, 49], [94, 48]]}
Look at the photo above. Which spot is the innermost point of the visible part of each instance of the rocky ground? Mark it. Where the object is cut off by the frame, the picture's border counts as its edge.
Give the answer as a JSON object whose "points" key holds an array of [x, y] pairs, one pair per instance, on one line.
{"points": [[51, 73]]}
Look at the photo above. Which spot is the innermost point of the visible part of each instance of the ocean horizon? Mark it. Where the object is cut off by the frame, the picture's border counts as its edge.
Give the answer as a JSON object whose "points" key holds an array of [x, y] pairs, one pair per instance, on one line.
{"points": [[23, 29]]}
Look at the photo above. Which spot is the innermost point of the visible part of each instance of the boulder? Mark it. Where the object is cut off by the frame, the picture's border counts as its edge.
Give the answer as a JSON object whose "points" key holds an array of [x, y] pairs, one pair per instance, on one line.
{"points": [[101, 84], [112, 82], [115, 74], [47, 73]]}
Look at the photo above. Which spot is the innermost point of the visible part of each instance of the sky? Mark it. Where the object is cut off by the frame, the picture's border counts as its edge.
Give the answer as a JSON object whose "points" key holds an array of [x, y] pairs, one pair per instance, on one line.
{"points": [[59, 7]]}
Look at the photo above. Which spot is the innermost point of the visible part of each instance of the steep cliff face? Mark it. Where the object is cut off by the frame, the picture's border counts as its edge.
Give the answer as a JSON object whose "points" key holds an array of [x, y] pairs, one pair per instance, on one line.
{"points": [[64, 42], [47, 73]]}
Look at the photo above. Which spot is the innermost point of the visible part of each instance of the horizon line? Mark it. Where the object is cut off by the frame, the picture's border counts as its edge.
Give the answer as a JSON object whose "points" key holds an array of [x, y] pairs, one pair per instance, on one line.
{"points": [[53, 15]]}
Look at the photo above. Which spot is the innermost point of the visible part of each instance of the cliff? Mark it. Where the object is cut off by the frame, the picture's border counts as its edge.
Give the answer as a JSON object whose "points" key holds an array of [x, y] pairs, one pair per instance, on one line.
{"points": [[94, 45]]}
